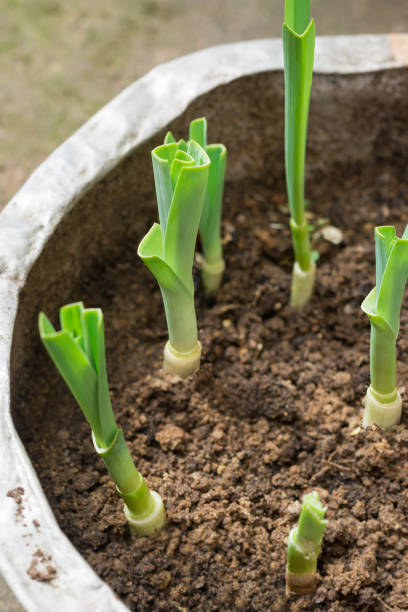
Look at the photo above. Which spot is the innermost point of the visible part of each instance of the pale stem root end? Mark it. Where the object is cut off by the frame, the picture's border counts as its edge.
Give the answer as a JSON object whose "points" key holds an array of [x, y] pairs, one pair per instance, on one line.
{"points": [[211, 275], [385, 414], [150, 523], [182, 364], [302, 285], [300, 584]]}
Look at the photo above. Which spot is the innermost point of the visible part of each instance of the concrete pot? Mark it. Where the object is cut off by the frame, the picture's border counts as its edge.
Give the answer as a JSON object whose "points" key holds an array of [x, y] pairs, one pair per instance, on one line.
{"points": [[96, 188]]}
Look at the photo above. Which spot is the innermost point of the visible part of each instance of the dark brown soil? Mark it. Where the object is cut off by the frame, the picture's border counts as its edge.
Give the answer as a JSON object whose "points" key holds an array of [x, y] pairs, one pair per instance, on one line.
{"points": [[274, 412]]}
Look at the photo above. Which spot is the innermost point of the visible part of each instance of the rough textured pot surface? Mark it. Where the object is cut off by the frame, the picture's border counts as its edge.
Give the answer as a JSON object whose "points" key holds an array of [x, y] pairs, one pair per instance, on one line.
{"points": [[97, 188]]}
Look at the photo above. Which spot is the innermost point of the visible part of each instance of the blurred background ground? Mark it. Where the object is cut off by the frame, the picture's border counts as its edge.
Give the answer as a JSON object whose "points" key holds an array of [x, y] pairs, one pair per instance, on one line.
{"points": [[61, 61]]}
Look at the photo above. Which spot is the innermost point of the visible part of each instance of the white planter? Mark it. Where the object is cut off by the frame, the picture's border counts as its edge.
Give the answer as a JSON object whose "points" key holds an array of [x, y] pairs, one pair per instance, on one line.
{"points": [[80, 201]]}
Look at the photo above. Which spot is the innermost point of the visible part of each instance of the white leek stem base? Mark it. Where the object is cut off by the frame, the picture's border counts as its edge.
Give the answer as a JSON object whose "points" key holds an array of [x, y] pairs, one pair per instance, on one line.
{"points": [[151, 522], [182, 364], [302, 285], [211, 275], [385, 414], [300, 584]]}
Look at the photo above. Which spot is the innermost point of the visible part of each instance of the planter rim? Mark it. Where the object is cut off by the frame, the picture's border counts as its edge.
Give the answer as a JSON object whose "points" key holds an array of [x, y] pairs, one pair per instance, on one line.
{"points": [[29, 220]]}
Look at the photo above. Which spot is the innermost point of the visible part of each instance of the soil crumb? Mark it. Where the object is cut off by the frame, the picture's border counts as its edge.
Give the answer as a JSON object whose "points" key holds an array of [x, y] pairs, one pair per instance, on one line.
{"points": [[41, 569], [17, 495]]}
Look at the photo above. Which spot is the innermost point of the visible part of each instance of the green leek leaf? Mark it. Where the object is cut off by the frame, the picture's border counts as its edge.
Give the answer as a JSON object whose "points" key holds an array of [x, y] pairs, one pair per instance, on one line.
{"points": [[151, 252], [75, 368], [299, 57], [297, 15], [78, 351], [162, 158], [198, 131], [210, 222]]}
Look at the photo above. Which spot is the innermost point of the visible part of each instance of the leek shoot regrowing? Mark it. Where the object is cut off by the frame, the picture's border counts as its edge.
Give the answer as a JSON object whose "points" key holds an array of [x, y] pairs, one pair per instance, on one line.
{"points": [[78, 351], [298, 35], [304, 546], [382, 403], [181, 175]]}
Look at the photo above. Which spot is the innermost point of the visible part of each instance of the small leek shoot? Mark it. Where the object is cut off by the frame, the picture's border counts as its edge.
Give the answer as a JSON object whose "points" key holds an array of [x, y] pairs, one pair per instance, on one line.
{"points": [[382, 403], [78, 351], [298, 35], [181, 175], [304, 546], [210, 223]]}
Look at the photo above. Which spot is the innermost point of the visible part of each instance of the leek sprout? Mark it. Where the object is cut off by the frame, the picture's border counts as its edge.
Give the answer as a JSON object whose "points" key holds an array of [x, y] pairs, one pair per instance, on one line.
{"points": [[382, 403], [304, 546], [210, 224], [180, 174], [78, 351], [298, 35]]}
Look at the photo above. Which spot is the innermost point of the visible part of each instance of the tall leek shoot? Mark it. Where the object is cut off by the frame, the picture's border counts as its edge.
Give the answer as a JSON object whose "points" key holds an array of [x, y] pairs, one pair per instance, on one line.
{"points": [[181, 175], [210, 223], [382, 403], [78, 351], [304, 546], [298, 35]]}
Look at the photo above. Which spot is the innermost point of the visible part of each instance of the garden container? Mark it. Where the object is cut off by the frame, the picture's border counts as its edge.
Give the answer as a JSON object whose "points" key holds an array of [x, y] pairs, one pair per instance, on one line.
{"points": [[71, 233]]}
